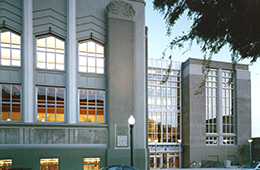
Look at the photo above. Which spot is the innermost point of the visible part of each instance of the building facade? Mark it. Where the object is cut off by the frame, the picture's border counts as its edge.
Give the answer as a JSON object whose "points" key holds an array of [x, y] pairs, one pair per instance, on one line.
{"points": [[66, 67], [197, 127]]}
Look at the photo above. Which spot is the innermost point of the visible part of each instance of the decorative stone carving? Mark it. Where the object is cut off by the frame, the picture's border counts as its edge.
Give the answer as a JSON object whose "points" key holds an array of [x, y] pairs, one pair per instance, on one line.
{"points": [[115, 7], [53, 136]]}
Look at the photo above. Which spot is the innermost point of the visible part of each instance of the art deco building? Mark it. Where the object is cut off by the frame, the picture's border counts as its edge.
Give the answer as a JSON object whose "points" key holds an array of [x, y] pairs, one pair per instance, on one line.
{"points": [[71, 74], [190, 129]]}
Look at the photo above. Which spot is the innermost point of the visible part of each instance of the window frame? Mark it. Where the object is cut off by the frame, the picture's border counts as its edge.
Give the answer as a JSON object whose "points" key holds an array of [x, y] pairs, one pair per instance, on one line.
{"points": [[46, 104], [228, 128], [46, 51], [8, 166], [58, 165], [11, 103], [211, 102], [95, 164], [11, 48], [91, 106], [86, 56]]}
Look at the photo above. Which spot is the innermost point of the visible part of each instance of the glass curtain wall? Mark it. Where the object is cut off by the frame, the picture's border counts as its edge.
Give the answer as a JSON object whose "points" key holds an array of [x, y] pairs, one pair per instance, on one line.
{"points": [[164, 121], [163, 106]]}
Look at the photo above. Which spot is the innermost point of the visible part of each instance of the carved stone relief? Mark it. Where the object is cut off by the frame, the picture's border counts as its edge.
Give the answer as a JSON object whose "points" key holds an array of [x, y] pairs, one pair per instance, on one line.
{"points": [[118, 6], [53, 136]]}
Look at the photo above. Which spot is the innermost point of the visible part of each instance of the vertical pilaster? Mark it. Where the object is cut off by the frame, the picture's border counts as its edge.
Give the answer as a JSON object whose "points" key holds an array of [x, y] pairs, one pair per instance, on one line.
{"points": [[27, 62], [219, 105], [71, 67], [120, 75]]}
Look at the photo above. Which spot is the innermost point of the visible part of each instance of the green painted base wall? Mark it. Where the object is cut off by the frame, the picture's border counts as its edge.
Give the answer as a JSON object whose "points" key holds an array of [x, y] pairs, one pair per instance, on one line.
{"points": [[70, 158]]}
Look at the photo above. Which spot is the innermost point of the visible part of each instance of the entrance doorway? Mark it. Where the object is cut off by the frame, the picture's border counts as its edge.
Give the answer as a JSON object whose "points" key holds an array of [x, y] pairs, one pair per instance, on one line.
{"points": [[164, 161]]}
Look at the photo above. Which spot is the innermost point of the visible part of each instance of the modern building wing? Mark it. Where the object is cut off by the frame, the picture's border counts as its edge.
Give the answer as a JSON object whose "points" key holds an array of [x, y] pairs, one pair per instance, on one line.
{"points": [[71, 74], [188, 127]]}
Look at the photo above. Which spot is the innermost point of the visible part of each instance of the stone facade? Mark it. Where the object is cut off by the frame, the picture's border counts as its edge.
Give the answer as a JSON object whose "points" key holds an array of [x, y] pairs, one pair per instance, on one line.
{"points": [[119, 28], [195, 148], [53, 136]]}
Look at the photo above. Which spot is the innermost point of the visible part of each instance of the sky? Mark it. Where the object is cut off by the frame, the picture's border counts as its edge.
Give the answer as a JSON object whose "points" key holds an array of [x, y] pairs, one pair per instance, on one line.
{"points": [[157, 41]]}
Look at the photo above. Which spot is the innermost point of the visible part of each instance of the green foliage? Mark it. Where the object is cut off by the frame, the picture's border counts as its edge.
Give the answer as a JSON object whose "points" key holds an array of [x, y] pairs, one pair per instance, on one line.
{"points": [[241, 151], [215, 24]]}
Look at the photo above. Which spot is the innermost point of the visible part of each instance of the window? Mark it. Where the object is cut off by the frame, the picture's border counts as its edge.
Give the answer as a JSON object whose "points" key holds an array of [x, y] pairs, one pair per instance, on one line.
{"points": [[10, 102], [91, 163], [211, 140], [211, 102], [50, 53], [10, 49], [229, 140], [91, 106], [227, 102], [49, 164], [50, 104], [5, 164], [91, 57], [165, 127]]}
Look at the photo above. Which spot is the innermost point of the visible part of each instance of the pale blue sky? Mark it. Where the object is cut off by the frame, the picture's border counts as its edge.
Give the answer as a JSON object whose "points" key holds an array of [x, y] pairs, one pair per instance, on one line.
{"points": [[157, 41]]}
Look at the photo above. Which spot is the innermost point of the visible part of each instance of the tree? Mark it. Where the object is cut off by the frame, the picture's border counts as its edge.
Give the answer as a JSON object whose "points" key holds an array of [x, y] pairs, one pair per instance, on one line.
{"points": [[241, 151], [215, 24]]}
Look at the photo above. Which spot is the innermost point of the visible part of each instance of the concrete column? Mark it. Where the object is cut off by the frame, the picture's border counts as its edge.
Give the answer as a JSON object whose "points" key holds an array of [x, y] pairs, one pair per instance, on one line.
{"points": [[140, 131], [219, 105], [71, 68], [28, 62], [126, 81], [120, 68], [242, 95], [140, 78]]}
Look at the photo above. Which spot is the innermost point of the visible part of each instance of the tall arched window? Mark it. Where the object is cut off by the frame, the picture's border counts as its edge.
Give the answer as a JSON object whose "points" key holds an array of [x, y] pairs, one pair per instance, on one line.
{"points": [[10, 49], [91, 57], [50, 53]]}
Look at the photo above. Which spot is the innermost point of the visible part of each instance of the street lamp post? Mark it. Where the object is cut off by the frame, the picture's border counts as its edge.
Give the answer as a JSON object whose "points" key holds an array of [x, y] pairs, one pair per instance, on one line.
{"points": [[250, 141], [179, 141], [131, 122], [225, 141]]}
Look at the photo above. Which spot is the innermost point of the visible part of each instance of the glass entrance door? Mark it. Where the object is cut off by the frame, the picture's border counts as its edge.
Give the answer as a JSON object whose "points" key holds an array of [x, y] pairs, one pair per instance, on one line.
{"points": [[173, 161], [166, 161], [155, 163]]}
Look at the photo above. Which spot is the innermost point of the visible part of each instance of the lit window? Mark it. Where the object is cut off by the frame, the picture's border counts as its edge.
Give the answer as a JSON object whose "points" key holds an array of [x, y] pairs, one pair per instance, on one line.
{"points": [[49, 163], [10, 49], [91, 106], [164, 127], [91, 163], [91, 57], [50, 104], [50, 53], [211, 140], [5, 164], [10, 102]]}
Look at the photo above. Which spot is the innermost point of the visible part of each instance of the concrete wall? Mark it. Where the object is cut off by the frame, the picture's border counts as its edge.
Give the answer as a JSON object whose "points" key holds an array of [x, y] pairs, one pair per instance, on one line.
{"points": [[11, 14], [243, 106], [70, 157]]}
